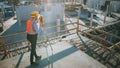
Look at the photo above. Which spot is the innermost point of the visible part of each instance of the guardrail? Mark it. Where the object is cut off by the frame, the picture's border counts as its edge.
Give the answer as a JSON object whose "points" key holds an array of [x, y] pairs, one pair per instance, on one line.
{"points": [[7, 48], [98, 37]]}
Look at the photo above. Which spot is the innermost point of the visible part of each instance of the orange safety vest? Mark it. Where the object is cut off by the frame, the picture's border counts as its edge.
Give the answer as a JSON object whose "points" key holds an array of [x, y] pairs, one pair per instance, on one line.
{"points": [[29, 27]]}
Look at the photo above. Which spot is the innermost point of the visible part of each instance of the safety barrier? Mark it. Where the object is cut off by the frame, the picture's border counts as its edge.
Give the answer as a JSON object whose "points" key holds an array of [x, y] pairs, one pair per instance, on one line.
{"points": [[106, 55], [98, 37], [8, 47]]}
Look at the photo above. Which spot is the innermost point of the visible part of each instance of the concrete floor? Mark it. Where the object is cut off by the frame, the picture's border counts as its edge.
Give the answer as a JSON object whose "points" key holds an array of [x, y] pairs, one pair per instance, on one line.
{"points": [[8, 24], [64, 56]]}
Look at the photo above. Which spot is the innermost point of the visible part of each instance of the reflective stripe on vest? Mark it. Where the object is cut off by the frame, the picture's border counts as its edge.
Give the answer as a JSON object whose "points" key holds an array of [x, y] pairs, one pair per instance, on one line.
{"points": [[30, 28]]}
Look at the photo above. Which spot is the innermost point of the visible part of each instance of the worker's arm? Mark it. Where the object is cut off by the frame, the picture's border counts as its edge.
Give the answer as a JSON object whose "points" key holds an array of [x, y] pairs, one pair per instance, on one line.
{"points": [[36, 26], [42, 21]]}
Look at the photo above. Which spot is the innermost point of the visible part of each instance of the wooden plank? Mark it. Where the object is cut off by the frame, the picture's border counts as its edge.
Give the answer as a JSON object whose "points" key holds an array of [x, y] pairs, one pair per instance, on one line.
{"points": [[97, 37], [58, 26], [3, 46], [100, 31], [16, 34], [115, 46], [60, 31]]}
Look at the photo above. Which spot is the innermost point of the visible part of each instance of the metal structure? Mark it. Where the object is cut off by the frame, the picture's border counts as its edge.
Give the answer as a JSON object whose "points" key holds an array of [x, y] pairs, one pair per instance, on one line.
{"points": [[18, 47], [93, 46]]}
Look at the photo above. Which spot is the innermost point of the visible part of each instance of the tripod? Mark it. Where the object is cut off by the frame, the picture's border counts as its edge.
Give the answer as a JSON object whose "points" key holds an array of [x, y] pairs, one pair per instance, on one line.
{"points": [[48, 43]]}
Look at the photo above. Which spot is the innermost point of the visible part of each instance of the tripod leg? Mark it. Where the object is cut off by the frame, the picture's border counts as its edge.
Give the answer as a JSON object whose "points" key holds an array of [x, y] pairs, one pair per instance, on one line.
{"points": [[52, 55], [47, 56]]}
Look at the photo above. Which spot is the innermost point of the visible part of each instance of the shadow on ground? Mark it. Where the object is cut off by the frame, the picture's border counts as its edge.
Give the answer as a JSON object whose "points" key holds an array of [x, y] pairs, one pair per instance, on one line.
{"points": [[44, 62]]}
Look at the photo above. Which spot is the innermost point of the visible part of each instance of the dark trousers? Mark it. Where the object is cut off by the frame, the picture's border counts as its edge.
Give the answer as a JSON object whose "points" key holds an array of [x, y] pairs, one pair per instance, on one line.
{"points": [[33, 40]]}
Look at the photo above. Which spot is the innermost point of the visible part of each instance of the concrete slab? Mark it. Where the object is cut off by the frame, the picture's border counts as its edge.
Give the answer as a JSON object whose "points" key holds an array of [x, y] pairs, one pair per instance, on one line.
{"points": [[64, 56]]}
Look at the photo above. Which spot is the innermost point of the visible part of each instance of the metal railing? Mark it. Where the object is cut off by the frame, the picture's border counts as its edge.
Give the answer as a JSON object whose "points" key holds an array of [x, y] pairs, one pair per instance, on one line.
{"points": [[9, 47], [98, 37]]}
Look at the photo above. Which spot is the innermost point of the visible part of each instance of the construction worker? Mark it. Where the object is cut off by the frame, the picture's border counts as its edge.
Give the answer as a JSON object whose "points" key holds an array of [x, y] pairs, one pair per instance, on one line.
{"points": [[32, 36]]}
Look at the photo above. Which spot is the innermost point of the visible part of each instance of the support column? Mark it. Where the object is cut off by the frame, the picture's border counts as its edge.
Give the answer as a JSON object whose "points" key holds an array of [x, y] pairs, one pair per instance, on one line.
{"points": [[105, 15], [58, 24]]}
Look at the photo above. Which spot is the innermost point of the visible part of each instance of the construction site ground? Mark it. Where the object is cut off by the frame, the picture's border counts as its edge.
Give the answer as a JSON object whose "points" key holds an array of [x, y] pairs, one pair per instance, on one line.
{"points": [[65, 55], [67, 52]]}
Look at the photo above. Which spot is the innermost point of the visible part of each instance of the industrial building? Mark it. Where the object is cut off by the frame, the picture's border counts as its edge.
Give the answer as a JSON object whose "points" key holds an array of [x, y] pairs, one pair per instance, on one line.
{"points": [[77, 34]]}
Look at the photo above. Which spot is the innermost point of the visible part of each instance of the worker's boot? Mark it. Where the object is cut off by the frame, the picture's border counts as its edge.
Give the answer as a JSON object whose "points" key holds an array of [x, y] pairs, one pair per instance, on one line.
{"points": [[34, 64], [37, 58]]}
